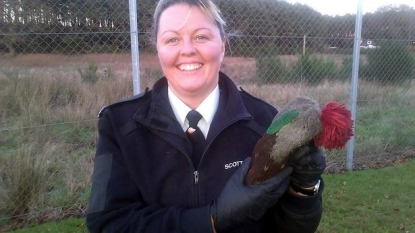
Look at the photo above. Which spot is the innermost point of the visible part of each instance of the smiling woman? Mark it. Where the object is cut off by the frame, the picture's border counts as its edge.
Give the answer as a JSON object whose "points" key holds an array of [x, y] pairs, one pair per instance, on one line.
{"points": [[190, 49], [152, 174]]}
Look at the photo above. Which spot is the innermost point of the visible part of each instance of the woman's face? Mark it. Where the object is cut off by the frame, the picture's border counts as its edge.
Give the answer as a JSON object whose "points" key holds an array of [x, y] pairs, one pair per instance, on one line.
{"points": [[190, 49]]}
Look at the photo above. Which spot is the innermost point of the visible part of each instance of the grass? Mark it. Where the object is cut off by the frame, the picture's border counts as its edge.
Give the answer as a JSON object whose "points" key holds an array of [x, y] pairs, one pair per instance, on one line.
{"points": [[47, 140], [354, 202], [370, 201], [48, 124], [394, 121], [71, 225]]}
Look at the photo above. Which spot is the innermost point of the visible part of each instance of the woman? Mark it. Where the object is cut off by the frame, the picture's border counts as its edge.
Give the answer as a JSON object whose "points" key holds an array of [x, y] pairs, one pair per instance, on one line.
{"points": [[149, 177]]}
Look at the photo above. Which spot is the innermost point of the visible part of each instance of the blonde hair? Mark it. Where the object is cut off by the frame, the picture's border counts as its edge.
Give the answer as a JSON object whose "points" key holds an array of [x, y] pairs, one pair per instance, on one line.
{"points": [[206, 6]]}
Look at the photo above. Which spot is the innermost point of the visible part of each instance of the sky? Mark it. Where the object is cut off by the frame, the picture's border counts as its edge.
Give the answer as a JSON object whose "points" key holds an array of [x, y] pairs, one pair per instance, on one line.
{"points": [[342, 7]]}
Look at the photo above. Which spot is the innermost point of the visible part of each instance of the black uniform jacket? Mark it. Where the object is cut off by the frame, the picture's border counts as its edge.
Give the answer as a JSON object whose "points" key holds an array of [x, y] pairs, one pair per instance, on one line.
{"points": [[144, 179]]}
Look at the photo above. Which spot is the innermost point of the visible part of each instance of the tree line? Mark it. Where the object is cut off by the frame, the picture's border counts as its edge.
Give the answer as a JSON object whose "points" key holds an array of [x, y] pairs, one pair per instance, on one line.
{"points": [[78, 26]]}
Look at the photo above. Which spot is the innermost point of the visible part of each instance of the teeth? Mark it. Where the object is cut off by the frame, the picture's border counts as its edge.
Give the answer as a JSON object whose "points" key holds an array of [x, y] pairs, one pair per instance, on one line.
{"points": [[190, 67]]}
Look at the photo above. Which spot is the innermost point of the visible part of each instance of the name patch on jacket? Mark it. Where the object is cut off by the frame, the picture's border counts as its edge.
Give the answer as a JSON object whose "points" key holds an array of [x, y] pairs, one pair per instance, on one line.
{"points": [[233, 164]]}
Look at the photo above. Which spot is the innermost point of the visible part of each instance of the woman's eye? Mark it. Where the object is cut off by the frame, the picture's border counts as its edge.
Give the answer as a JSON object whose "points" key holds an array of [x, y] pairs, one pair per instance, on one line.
{"points": [[201, 37], [172, 40]]}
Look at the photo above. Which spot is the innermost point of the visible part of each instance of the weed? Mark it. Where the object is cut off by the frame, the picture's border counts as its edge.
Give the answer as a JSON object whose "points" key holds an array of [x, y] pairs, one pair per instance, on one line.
{"points": [[109, 74], [89, 75], [25, 178]]}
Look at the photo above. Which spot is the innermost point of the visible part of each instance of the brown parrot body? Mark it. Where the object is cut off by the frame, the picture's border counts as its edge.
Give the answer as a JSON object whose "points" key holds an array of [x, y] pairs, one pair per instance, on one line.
{"points": [[296, 124]]}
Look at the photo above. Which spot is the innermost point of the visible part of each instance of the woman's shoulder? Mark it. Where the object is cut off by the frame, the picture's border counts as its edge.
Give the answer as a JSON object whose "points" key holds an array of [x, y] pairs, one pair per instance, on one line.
{"points": [[127, 102], [247, 98], [255, 101]]}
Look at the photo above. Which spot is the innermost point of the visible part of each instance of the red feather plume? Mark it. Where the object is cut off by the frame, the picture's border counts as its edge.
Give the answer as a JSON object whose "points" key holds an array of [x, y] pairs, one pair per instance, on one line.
{"points": [[337, 126]]}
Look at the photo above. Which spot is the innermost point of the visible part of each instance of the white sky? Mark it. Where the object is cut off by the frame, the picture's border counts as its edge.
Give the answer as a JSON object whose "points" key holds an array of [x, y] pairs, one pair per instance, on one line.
{"points": [[342, 7]]}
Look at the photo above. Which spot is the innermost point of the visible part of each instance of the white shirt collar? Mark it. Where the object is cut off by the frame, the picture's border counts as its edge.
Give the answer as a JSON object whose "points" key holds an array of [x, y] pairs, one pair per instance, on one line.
{"points": [[207, 109]]}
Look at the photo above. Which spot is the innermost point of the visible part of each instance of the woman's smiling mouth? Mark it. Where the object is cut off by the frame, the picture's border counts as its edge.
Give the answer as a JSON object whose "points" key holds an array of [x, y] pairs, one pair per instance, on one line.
{"points": [[189, 67]]}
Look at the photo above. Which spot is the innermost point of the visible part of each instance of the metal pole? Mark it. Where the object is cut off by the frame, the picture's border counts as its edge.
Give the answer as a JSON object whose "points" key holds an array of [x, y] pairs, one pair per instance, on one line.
{"points": [[304, 41], [134, 47], [355, 81]]}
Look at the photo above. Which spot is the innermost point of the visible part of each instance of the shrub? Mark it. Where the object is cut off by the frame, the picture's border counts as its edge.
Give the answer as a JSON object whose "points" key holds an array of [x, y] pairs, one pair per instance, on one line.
{"points": [[392, 63], [346, 71], [313, 70], [271, 70]]}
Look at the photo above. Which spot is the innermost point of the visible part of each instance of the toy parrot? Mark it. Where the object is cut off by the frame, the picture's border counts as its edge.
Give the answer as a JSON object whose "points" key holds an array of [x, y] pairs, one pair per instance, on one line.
{"points": [[298, 123]]}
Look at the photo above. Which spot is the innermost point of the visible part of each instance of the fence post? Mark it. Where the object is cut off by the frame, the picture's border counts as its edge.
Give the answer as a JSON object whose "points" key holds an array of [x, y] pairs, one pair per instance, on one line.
{"points": [[355, 81], [134, 47], [304, 42]]}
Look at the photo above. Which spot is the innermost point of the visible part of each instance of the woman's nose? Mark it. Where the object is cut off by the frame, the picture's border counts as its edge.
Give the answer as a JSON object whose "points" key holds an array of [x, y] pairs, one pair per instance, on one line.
{"points": [[188, 47]]}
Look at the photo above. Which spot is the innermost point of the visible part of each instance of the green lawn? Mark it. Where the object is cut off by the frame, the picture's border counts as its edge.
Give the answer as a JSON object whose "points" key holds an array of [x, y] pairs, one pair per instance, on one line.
{"points": [[377, 201], [73, 225]]}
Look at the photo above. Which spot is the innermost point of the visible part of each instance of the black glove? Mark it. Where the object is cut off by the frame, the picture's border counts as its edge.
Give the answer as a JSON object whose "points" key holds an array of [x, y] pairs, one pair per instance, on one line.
{"points": [[239, 204], [308, 163]]}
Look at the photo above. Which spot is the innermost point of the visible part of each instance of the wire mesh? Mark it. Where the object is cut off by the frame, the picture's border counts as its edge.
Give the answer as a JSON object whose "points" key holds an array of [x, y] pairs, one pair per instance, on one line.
{"points": [[62, 60]]}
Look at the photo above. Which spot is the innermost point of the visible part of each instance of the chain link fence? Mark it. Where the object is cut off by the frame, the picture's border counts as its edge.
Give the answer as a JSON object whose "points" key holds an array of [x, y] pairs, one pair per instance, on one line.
{"points": [[62, 60]]}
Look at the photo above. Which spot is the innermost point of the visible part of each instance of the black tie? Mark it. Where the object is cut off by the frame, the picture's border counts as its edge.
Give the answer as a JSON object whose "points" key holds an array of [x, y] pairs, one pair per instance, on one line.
{"points": [[195, 136]]}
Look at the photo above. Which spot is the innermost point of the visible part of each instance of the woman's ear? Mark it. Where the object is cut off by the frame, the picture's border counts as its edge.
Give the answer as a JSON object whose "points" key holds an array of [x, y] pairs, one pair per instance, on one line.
{"points": [[223, 46]]}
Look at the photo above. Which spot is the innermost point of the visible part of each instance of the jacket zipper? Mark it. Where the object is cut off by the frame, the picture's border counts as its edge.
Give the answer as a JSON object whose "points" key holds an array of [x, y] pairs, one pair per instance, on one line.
{"points": [[196, 187], [196, 174]]}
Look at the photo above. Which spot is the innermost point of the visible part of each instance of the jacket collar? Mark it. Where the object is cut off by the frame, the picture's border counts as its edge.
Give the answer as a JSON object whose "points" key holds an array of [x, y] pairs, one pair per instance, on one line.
{"points": [[231, 107], [159, 114]]}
